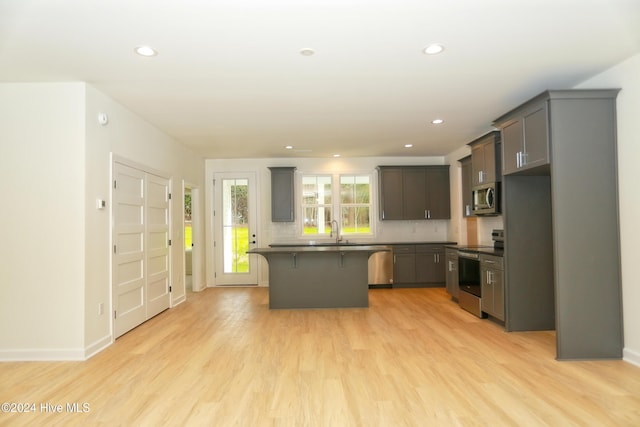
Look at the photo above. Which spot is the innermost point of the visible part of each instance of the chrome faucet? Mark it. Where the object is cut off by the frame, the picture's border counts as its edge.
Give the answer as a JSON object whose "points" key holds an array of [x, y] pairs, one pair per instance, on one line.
{"points": [[338, 238]]}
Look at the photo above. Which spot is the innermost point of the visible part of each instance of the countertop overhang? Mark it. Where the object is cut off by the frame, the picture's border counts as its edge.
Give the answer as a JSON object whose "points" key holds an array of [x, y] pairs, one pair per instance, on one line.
{"points": [[320, 248]]}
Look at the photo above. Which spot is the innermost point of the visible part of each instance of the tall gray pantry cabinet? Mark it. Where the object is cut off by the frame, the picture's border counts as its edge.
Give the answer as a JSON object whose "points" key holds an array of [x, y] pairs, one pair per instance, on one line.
{"points": [[562, 245]]}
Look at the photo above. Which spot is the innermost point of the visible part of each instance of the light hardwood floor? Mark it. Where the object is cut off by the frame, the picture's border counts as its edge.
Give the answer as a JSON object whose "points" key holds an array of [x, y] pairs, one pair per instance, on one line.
{"points": [[412, 359]]}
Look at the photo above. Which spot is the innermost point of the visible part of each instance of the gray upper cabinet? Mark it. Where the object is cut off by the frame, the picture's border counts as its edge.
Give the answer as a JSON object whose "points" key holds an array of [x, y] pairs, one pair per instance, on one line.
{"points": [[391, 194], [525, 139], [282, 194], [485, 159], [467, 183], [414, 192]]}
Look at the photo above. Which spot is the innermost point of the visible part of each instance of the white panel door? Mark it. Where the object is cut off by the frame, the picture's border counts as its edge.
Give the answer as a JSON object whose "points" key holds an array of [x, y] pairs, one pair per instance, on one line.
{"points": [[157, 249], [128, 266], [235, 228]]}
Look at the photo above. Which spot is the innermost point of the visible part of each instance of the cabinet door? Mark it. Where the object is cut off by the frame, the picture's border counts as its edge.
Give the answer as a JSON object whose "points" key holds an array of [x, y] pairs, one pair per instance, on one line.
{"points": [[391, 199], [415, 193], [438, 193], [430, 264], [282, 194], [497, 281], [451, 268], [536, 138], [467, 209], [512, 146], [477, 164], [404, 269], [489, 154]]}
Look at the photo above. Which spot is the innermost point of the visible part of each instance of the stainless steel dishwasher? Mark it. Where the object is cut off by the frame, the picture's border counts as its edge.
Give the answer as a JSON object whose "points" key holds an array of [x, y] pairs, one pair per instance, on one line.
{"points": [[381, 270]]}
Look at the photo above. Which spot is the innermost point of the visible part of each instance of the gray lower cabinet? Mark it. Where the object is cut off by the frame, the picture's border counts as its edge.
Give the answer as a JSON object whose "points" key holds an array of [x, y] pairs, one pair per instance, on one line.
{"points": [[419, 265], [430, 264], [492, 283], [404, 264], [451, 267], [562, 237], [414, 192], [282, 194]]}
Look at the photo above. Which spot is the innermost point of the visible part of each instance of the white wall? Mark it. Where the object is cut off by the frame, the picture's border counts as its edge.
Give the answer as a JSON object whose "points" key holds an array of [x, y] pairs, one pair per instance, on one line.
{"points": [[55, 260], [268, 232], [625, 76], [129, 137], [42, 252]]}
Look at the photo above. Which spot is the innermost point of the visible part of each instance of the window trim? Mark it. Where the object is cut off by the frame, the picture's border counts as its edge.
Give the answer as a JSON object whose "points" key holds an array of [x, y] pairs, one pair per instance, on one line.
{"points": [[336, 205]]}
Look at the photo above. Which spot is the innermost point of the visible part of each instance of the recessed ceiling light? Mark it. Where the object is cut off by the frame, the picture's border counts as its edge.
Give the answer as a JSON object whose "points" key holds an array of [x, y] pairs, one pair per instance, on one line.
{"points": [[307, 51], [289, 147], [408, 145], [433, 49], [336, 155], [145, 51], [437, 121]]}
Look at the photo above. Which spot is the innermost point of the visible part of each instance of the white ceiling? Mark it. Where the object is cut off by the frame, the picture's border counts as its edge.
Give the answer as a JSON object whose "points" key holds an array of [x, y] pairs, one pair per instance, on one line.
{"points": [[229, 80]]}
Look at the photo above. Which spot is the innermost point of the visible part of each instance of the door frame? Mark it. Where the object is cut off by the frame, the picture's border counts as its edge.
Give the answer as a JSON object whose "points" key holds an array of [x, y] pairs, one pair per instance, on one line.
{"points": [[197, 283], [214, 237]]}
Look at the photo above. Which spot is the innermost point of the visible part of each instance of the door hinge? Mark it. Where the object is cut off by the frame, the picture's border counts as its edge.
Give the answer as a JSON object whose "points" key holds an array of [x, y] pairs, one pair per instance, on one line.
{"points": [[114, 249], [115, 185], [169, 196], [169, 242], [115, 315], [170, 288]]}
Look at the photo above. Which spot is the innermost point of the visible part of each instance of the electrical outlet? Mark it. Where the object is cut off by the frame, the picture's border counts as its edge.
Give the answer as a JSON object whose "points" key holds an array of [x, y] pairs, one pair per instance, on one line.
{"points": [[101, 308]]}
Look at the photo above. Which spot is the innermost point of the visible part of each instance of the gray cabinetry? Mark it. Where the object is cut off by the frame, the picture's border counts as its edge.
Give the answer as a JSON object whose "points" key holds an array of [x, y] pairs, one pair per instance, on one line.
{"points": [[430, 264], [492, 283], [485, 159], [282, 194], [391, 193], [414, 192], [525, 139], [451, 268], [418, 265], [467, 183], [404, 264], [562, 246]]}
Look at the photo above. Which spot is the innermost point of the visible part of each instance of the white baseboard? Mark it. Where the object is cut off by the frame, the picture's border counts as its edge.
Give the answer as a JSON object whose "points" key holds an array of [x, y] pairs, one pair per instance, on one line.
{"points": [[97, 346], [631, 356], [55, 355], [176, 301], [42, 355]]}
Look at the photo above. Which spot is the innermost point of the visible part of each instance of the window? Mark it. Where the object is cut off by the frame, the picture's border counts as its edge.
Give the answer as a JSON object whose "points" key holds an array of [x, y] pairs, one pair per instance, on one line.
{"points": [[355, 201], [352, 208], [316, 204]]}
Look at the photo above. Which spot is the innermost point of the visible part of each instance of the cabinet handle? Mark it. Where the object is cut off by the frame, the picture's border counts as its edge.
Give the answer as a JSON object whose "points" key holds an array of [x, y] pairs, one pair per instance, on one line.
{"points": [[428, 214], [468, 210], [518, 165], [382, 213], [394, 259]]}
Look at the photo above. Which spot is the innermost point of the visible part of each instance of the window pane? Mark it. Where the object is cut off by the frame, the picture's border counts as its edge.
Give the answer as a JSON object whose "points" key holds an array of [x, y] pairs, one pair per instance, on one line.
{"points": [[317, 220], [355, 219]]}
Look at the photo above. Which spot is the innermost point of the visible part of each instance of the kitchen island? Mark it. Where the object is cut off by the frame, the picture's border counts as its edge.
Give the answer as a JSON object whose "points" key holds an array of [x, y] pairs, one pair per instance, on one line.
{"points": [[326, 276]]}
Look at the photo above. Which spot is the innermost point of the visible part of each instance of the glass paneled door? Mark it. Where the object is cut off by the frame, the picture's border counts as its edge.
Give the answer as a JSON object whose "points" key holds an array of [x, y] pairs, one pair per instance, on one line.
{"points": [[235, 228]]}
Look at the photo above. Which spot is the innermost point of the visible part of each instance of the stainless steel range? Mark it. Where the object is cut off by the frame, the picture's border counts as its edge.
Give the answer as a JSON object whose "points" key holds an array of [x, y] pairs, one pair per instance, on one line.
{"points": [[469, 279]]}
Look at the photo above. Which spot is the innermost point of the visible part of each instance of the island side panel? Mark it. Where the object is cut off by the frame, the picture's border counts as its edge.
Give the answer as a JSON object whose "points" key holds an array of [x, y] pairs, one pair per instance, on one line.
{"points": [[318, 280]]}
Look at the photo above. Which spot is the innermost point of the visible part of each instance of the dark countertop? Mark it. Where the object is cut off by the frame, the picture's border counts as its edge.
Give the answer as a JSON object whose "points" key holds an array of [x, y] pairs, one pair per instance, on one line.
{"points": [[319, 248], [342, 244], [481, 249]]}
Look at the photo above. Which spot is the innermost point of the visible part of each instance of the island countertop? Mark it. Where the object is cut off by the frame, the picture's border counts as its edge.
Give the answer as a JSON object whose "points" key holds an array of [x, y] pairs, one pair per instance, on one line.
{"points": [[320, 248]]}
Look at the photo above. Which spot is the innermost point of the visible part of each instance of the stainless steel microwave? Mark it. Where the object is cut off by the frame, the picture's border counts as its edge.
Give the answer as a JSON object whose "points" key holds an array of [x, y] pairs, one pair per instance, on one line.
{"points": [[486, 199]]}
